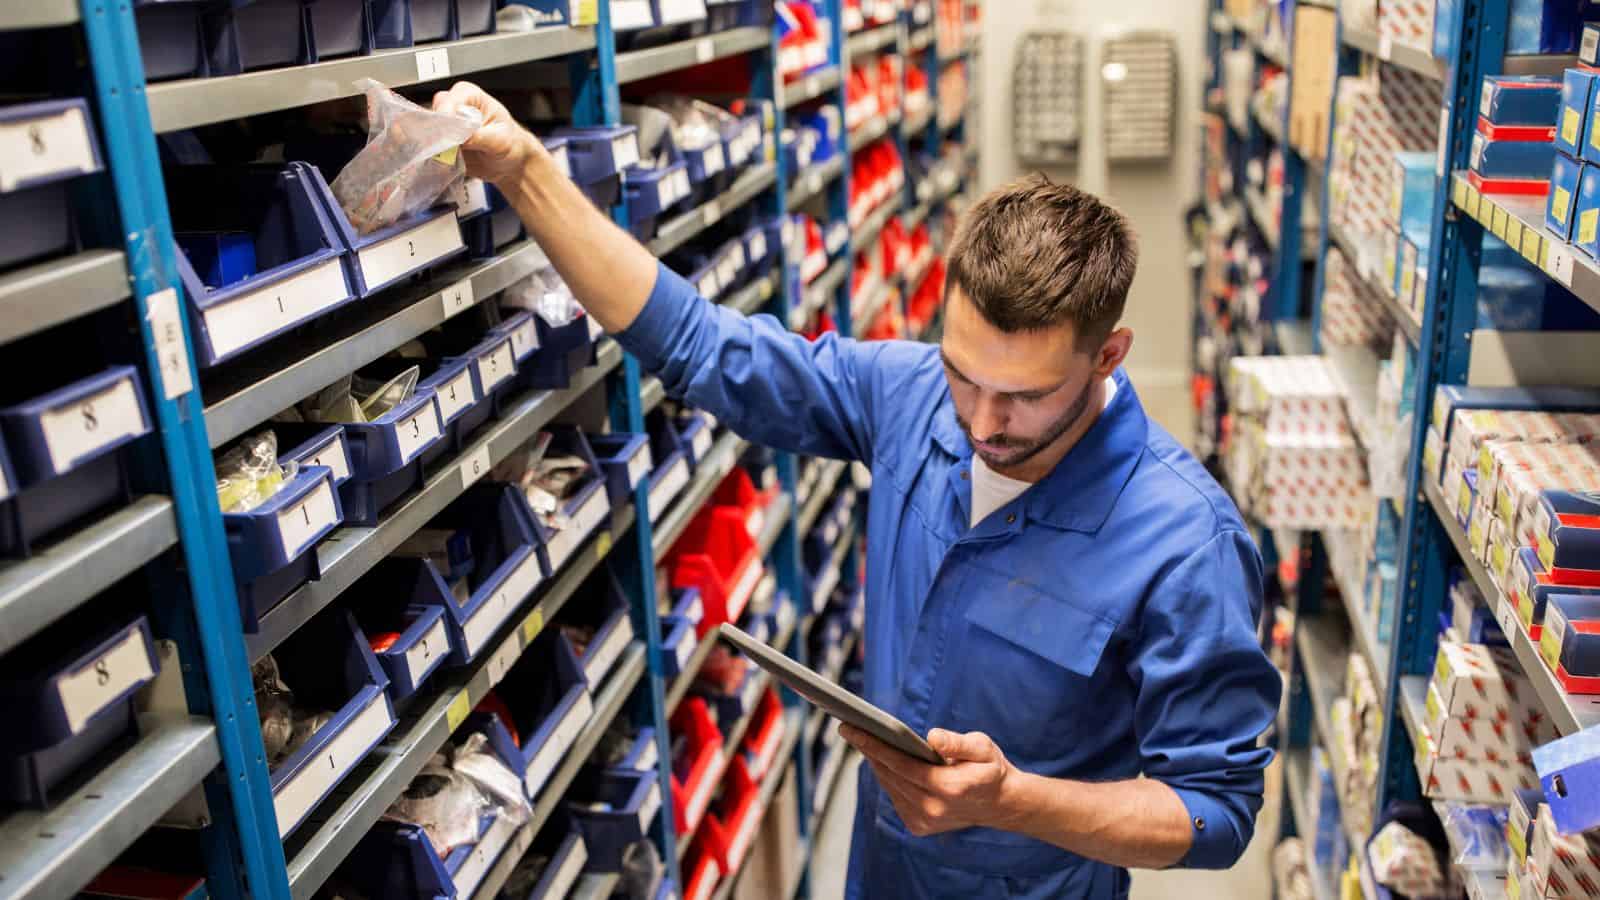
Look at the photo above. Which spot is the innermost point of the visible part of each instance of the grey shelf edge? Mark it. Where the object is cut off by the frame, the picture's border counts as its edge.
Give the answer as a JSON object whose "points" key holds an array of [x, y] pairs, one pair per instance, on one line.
{"points": [[872, 39], [841, 548], [51, 855], [1322, 652], [1581, 275], [339, 822], [595, 886], [675, 232], [877, 128], [749, 299], [637, 65], [651, 393], [1570, 712], [619, 686], [1352, 252], [59, 290], [782, 767], [301, 374], [879, 295], [810, 87], [1420, 61], [913, 276], [707, 475], [810, 182], [919, 213], [350, 552], [826, 484], [37, 591], [792, 889], [776, 517], [1297, 779], [202, 101], [38, 14]]}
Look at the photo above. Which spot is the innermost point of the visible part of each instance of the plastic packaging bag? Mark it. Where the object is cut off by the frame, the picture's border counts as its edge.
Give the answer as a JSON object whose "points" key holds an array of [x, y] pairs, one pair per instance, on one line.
{"points": [[442, 802], [249, 474], [641, 871], [411, 158], [360, 400], [548, 296], [497, 782]]}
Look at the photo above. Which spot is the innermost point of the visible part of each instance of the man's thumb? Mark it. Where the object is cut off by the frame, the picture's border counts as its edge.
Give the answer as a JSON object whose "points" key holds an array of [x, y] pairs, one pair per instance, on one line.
{"points": [[948, 744]]}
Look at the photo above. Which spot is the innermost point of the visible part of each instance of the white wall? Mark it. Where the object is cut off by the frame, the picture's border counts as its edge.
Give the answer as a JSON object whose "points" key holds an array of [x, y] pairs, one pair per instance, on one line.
{"points": [[1152, 196]]}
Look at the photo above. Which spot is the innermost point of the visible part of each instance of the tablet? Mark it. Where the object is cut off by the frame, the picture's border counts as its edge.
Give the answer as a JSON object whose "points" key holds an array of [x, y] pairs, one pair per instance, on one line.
{"points": [[833, 699]]}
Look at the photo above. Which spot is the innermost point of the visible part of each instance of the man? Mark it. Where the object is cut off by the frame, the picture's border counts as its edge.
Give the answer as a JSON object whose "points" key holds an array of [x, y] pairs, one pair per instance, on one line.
{"points": [[1058, 594]]}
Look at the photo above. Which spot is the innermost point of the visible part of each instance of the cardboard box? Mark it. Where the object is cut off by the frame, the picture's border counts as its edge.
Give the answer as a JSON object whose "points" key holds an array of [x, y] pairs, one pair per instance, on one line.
{"points": [[1475, 681], [1487, 738], [1577, 94], [1570, 642], [1498, 158], [1520, 816], [1586, 215], [1565, 173], [1468, 780], [1566, 530], [1562, 865], [1411, 191], [1530, 100], [1449, 398], [1569, 768], [1402, 861]]}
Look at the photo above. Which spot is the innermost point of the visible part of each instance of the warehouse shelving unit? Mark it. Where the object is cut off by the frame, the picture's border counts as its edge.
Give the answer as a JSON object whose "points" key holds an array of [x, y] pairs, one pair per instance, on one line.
{"points": [[172, 530]]}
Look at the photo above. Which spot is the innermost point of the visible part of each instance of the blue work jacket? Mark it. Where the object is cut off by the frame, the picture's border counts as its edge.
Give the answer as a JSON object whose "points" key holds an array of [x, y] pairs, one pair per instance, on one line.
{"points": [[1099, 626]]}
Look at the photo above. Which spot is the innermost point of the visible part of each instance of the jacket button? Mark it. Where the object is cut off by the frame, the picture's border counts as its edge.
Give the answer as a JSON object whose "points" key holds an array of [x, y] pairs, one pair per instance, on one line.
{"points": [[1011, 518], [1199, 824]]}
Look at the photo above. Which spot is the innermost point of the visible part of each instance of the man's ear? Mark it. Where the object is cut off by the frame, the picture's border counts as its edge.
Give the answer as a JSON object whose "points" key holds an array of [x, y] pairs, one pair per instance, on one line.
{"points": [[1113, 350]]}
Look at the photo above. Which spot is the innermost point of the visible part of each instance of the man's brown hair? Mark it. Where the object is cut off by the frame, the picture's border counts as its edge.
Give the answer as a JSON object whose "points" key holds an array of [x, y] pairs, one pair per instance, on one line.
{"points": [[1035, 254]]}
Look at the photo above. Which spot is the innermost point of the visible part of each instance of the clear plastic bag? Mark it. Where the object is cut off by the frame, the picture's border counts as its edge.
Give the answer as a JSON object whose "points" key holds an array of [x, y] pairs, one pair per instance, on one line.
{"points": [[249, 474], [695, 123], [360, 400], [546, 295], [494, 779], [444, 803], [411, 158]]}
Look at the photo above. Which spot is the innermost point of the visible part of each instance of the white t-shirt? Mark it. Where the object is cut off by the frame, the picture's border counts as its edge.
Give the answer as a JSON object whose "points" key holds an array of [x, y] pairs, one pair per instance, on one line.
{"points": [[991, 490]]}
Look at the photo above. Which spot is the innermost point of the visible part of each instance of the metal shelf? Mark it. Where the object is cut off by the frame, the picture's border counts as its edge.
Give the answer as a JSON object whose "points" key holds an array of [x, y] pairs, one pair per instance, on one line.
{"points": [[1364, 629], [810, 87], [776, 516], [1294, 336], [876, 128], [607, 704], [872, 39], [1519, 221], [862, 238], [1420, 61], [1364, 266], [730, 743], [50, 293], [637, 65], [819, 293], [334, 827], [833, 573], [1570, 712], [782, 764], [53, 854], [1297, 781], [37, 591], [25, 14], [202, 101], [595, 886], [919, 213], [1323, 649], [351, 551], [260, 386], [651, 393], [877, 295], [749, 299], [1413, 706], [707, 475], [921, 38], [673, 233], [810, 182], [827, 483]]}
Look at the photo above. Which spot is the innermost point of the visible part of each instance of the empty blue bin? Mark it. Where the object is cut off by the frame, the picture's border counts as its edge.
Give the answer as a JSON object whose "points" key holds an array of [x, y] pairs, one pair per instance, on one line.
{"points": [[431, 20], [671, 472], [550, 703], [561, 842], [519, 326], [386, 601], [68, 694], [65, 454], [632, 800], [508, 564], [563, 351], [340, 28], [386, 456], [170, 38], [586, 507], [273, 547], [704, 162], [652, 191], [626, 460], [300, 269], [602, 607], [245, 35], [328, 665], [37, 217]]}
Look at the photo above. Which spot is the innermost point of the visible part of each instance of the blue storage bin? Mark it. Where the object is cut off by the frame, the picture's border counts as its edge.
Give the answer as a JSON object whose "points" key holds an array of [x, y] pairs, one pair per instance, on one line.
{"points": [[671, 472], [632, 801], [707, 278], [742, 139], [245, 35], [704, 162], [599, 152], [678, 640], [387, 600], [299, 271], [562, 843], [642, 754], [391, 23], [496, 227], [170, 42], [65, 456], [626, 461], [604, 193], [36, 211], [550, 703], [586, 507], [603, 607], [508, 564], [668, 889], [563, 351], [728, 709], [462, 409], [519, 326], [386, 456], [68, 694], [431, 20], [494, 370], [695, 436], [652, 191], [273, 547], [389, 254], [314, 445], [758, 251], [339, 27], [328, 665]]}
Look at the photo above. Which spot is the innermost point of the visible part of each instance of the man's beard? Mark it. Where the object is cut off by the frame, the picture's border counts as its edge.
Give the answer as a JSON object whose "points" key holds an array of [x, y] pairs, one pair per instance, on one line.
{"points": [[1019, 451]]}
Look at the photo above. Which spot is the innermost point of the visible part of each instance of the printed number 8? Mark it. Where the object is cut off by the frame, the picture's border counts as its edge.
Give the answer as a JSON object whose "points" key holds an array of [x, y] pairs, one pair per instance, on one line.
{"points": [[90, 421], [102, 672]]}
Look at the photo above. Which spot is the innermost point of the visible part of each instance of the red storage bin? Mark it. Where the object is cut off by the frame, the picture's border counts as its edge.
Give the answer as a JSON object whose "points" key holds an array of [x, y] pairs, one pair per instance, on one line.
{"points": [[728, 837], [764, 736], [739, 491], [702, 872], [717, 555], [692, 796]]}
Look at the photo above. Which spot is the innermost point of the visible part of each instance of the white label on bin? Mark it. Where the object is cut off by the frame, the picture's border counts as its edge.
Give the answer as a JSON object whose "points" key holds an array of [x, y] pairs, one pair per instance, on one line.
{"points": [[433, 64], [563, 161], [81, 428], [569, 870], [556, 745], [681, 179], [332, 454], [457, 298], [813, 86], [702, 442], [469, 196], [758, 245], [1590, 44], [685, 649], [665, 195], [701, 798], [752, 692], [702, 888], [754, 522], [741, 840], [524, 339], [414, 434], [319, 774], [483, 855], [650, 806], [696, 611], [1559, 262], [830, 580], [625, 150], [578, 527], [496, 366], [518, 584], [409, 251], [172, 352], [433, 643], [647, 757], [603, 657], [45, 145], [666, 490], [707, 285], [742, 591], [475, 466], [1475, 162], [454, 396], [299, 525], [712, 159], [629, 15], [769, 747], [88, 689]]}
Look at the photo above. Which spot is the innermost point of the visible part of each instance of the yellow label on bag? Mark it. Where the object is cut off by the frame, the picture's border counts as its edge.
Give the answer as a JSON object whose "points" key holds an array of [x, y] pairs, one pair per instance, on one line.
{"points": [[448, 157]]}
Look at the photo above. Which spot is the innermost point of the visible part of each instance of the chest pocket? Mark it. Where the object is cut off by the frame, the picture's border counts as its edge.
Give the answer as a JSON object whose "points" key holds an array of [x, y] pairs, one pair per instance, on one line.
{"points": [[1028, 665]]}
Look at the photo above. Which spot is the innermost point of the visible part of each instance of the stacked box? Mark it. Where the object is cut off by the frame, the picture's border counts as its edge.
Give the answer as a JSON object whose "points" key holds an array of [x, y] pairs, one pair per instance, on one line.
{"points": [[1352, 314], [1402, 861], [1398, 111], [1407, 22], [1481, 705], [1562, 865]]}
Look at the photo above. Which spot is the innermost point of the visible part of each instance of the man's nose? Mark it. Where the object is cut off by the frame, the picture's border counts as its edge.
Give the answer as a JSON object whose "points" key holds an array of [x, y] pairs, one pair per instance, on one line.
{"points": [[988, 419]]}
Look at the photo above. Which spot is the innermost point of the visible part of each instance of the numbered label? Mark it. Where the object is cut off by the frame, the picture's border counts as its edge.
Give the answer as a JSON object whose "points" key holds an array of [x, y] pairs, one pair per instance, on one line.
{"points": [[650, 806], [433, 64], [640, 464], [428, 651], [685, 650], [84, 427], [172, 351], [409, 251], [333, 455], [470, 197], [1559, 262], [603, 657], [92, 687], [624, 151], [647, 757], [701, 443], [457, 298], [302, 524], [495, 366], [475, 466], [524, 339], [55, 145], [484, 853], [455, 396], [664, 491], [324, 769], [416, 433], [555, 746]]}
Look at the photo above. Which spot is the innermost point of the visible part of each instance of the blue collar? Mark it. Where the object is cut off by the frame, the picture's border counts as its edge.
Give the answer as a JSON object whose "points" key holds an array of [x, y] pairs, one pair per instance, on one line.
{"points": [[1080, 491]]}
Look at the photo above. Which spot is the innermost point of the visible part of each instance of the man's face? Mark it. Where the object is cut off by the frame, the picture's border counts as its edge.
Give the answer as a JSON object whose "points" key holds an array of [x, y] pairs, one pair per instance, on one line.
{"points": [[1015, 394]]}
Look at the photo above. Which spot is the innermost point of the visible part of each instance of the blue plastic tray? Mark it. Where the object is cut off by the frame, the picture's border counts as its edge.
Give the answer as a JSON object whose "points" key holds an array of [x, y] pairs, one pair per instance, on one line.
{"points": [[391, 599], [672, 469], [273, 546], [634, 799], [549, 700], [561, 842], [599, 152], [386, 456], [626, 460], [170, 42], [587, 506], [340, 28], [244, 35], [563, 351], [603, 606], [509, 563]]}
